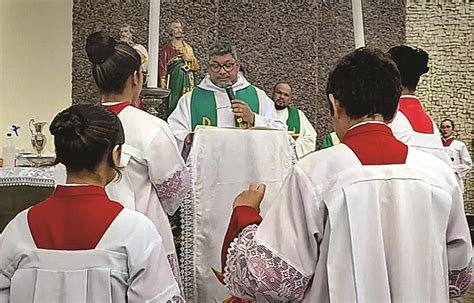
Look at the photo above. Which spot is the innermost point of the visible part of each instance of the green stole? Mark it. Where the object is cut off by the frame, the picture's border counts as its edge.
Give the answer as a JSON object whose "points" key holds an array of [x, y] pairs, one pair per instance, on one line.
{"points": [[204, 108], [330, 140], [293, 120]]}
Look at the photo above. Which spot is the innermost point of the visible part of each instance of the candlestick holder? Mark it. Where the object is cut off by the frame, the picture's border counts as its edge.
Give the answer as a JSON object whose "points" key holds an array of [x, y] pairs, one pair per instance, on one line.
{"points": [[155, 100]]}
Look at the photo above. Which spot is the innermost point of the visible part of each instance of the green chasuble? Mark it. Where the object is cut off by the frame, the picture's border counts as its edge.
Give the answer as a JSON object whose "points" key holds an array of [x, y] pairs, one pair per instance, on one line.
{"points": [[293, 120], [204, 107]]}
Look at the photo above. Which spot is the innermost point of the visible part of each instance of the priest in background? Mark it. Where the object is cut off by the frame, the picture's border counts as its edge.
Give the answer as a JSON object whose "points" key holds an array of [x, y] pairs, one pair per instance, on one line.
{"points": [[296, 120]]}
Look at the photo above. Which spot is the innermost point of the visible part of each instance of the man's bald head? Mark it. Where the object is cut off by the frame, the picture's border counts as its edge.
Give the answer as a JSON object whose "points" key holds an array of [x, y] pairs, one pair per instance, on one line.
{"points": [[282, 93]]}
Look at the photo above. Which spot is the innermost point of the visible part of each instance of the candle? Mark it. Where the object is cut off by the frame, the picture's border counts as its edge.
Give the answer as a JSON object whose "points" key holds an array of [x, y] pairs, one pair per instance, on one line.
{"points": [[153, 43], [358, 23]]}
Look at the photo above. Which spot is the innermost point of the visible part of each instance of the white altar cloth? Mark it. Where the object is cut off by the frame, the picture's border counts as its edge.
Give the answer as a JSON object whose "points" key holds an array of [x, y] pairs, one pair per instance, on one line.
{"points": [[223, 162]]}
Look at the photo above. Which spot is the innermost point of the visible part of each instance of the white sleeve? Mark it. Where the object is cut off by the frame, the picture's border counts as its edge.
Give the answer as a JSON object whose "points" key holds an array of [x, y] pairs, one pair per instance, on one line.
{"points": [[263, 265], [167, 169], [267, 116], [151, 278], [5, 277], [465, 164], [306, 141], [180, 120], [14, 241], [459, 247], [401, 127]]}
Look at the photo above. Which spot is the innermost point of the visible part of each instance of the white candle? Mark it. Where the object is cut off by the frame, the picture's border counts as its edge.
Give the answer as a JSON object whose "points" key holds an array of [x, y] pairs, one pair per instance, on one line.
{"points": [[153, 43], [358, 23]]}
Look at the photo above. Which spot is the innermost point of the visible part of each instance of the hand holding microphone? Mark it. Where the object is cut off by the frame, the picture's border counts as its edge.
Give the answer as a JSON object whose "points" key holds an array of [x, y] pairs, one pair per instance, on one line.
{"points": [[244, 117]]}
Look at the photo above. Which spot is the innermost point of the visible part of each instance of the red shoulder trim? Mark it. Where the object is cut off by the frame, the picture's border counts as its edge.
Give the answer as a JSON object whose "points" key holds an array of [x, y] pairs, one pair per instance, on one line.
{"points": [[72, 218], [374, 144], [419, 120], [117, 108]]}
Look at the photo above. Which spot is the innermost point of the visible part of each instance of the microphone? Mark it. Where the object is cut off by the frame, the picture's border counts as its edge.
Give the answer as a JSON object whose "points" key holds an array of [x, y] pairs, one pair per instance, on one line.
{"points": [[230, 93]]}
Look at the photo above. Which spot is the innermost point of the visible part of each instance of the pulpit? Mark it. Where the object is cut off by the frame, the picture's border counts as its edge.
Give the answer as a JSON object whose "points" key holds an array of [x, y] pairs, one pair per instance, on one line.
{"points": [[223, 162]]}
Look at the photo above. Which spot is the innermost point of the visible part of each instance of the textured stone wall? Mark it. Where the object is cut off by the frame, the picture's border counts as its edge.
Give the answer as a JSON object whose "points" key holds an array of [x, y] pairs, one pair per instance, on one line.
{"points": [[94, 15], [297, 41], [444, 30]]}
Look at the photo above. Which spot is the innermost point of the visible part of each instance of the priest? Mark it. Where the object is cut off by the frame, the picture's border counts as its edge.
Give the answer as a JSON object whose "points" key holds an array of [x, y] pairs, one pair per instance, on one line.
{"points": [[296, 120], [209, 103]]}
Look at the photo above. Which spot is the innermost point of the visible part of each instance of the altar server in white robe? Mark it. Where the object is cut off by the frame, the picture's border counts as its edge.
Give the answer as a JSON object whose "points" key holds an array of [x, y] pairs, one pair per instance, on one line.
{"points": [[456, 149], [209, 104], [78, 245], [412, 125], [367, 220], [154, 177], [295, 119]]}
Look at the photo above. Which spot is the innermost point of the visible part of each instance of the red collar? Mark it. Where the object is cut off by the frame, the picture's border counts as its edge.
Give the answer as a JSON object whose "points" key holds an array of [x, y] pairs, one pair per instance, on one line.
{"points": [[365, 128], [448, 141], [374, 144], [117, 108], [79, 190]]}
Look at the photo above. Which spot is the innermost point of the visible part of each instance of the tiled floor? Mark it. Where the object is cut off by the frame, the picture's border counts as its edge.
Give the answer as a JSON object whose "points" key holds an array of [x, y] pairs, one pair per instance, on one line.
{"points": [[468, 298]]}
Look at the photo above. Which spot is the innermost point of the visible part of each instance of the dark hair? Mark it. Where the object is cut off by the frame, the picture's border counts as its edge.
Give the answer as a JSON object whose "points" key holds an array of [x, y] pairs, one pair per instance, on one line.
{"points": [[222, 47], [365, 82], [112, 61], [450, 121], [282, 82], [411, 62], [84, 134]]}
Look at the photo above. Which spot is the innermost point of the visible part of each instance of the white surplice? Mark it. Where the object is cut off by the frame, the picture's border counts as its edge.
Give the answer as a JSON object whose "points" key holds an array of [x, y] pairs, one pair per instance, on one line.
{"points": [[459, 155], [154, 177], [180, 118], [428, 142], [347, 232], [306, 141], [117, 270]]}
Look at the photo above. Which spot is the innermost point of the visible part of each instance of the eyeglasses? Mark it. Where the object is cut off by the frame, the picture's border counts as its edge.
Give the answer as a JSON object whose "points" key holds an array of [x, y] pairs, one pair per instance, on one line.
{"points": [[216, 67]]}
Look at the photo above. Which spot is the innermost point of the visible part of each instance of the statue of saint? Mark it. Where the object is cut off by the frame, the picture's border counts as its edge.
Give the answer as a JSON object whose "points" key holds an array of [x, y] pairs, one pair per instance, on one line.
{"points": [[177, 65], [126, 35]]}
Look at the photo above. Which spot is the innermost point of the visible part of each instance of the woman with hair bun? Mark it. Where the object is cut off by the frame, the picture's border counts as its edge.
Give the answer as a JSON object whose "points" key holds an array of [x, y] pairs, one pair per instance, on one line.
{"points": [[154, 177], [78, 245], [412, 125]]}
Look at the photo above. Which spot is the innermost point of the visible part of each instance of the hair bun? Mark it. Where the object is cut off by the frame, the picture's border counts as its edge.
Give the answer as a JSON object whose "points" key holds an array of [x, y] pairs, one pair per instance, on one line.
{"points": [[68, 125], [99, 47]]}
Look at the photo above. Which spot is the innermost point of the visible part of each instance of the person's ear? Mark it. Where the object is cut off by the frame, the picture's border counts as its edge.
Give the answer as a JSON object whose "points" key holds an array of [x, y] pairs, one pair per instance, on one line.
{"points": [[336, 107], [237, 65], [135, 78], [116, 155]]}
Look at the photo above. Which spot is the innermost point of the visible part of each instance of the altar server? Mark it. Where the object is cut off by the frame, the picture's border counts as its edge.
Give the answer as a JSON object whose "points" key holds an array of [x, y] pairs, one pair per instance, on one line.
{"points": [[412, 125], [78, 245], [456, 149], [367, 220], [154, 177]]}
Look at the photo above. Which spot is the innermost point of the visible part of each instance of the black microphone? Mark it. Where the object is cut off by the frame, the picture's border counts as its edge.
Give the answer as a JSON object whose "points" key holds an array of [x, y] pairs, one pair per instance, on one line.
{"points": [[231, 95], [229, 91]]}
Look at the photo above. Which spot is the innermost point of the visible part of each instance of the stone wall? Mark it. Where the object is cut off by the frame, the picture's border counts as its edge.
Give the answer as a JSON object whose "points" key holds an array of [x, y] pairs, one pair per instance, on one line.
{"points": [[444, 30], [297, 41]]}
